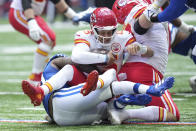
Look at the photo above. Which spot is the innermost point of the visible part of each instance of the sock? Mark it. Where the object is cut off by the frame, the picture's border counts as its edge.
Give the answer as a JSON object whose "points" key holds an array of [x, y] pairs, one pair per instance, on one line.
{"points": [[58, 80], [106, 79], [40, 58], [127, 87], [150, 113]]}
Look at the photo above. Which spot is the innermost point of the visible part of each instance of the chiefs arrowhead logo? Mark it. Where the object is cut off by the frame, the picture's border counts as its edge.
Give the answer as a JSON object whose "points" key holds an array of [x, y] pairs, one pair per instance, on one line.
{"points": [[116, 47]]}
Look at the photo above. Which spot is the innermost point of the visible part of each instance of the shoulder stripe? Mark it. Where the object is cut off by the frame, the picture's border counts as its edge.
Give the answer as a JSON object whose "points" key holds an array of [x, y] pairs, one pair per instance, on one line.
{"points": [[131, 40], [77, 41], [139, 12]]}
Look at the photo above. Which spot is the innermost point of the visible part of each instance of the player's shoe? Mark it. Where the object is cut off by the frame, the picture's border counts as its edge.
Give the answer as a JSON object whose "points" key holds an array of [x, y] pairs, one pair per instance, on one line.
{"points": [[83, 16], [114, 116], [192, 82], [35, 93], [35, 78], [102, 81], [158, 90], [139, 99], [91, 83]]}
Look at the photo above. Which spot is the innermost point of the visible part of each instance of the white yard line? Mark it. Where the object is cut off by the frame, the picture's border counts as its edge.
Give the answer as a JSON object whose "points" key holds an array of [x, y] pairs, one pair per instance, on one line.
{"points": [[29, 49]]}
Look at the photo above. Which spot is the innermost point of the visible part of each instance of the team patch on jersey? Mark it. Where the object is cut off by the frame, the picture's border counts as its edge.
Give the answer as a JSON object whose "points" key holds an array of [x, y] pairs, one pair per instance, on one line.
{"points": [[77, 41], [115, 47]]}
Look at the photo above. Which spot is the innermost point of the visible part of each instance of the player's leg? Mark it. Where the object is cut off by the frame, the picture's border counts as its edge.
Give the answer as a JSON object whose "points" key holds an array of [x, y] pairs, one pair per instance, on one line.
{"points": [[126, 87], [47, 42], [147, 113], [52, 80], [165, 102], [44, 48]]}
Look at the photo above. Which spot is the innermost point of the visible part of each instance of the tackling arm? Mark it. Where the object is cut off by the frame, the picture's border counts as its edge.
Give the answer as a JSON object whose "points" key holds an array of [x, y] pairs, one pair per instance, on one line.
{"points": [[81, 55]]}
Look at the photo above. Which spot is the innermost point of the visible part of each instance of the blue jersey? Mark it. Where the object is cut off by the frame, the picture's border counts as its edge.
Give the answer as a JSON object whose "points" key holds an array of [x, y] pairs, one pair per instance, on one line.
{"points": [[175, 9], [48, 72]]}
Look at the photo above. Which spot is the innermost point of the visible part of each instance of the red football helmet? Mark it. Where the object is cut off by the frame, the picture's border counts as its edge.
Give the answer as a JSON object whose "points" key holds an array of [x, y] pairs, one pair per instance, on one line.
{"points": [[122, 8], [103, 19]]}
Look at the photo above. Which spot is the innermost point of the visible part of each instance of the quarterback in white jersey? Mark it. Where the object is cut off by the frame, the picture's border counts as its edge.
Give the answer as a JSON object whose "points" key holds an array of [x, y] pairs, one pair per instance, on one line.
{"points": [[146, 70], [24, 16]]}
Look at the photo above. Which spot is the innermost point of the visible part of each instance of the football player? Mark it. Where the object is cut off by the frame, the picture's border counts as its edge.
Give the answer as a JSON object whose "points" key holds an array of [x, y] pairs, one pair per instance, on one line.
{"points": [[68, 106], [24, 16], [147, 70]]}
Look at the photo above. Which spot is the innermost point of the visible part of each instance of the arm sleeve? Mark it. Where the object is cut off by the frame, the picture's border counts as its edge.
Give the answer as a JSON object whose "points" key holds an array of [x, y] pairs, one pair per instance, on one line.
{"points": [[81, 55], [175, 9], [55, 1], [26, 4]]}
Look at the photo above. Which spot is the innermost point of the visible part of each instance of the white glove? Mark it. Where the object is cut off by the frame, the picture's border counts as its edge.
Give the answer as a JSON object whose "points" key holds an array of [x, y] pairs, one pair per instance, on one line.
{"points": [[150, 11], [35, 31]]}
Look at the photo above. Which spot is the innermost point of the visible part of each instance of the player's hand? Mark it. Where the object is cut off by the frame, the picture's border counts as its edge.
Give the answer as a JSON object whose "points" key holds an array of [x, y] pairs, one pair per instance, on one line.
{"points": [[133, 49], [111, 58], [151, 13], [35, 31]]}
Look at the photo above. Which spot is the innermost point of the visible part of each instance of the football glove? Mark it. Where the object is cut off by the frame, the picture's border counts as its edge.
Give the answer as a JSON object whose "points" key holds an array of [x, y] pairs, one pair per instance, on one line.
{"points": [[35, 31]]}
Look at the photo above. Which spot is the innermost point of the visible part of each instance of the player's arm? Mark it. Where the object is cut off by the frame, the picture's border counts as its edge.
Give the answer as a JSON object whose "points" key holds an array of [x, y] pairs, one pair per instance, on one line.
{"points": [[81, 54], [174, 10], [62, 7], [144, 22], [28, 11], [35, 31]]}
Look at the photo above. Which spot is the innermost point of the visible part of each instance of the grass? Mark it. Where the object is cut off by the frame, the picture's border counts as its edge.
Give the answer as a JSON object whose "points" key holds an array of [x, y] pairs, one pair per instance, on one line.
{"points": [[15, 67]]}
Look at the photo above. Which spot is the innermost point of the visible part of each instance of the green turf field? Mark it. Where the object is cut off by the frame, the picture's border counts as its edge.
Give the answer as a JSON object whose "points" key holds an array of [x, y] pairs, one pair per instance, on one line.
{"points": [[16, 54]]}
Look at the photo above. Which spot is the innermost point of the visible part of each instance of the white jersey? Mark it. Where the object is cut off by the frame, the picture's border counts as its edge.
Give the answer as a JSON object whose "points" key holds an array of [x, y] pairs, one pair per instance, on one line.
{"points": [[156, 38], [87, 39], [37, 6]]}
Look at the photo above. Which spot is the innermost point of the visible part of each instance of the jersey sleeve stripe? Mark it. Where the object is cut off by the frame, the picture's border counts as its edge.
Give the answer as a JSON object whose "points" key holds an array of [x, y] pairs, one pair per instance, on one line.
{"points": [[139, 12], [131, 40], [77, 41]]}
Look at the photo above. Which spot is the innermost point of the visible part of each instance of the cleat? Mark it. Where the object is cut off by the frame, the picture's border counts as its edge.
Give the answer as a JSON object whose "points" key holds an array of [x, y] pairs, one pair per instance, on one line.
{"points": [[90, 84], [83, 16], [114, 117], [36, 94], [192, 82], [160, 89], [140, 99], [35, 78]]}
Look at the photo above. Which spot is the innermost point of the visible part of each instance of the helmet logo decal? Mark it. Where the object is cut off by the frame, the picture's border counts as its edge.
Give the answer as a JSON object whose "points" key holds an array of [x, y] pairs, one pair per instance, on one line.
{"points": [[116, 47], [93, 18], [122, 2]]}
